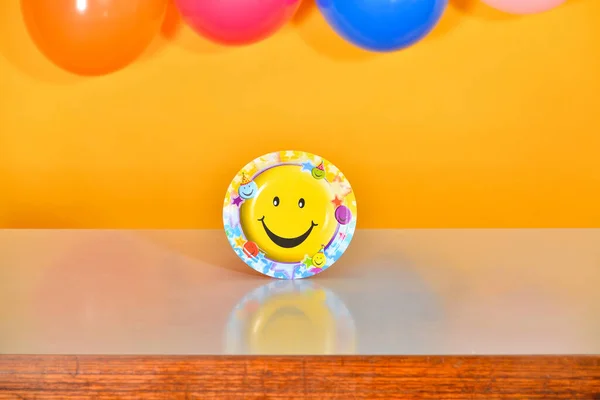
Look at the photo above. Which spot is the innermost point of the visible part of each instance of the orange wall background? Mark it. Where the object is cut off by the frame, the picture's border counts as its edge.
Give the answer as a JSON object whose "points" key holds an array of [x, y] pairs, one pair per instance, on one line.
{"points": [[491, 121]]}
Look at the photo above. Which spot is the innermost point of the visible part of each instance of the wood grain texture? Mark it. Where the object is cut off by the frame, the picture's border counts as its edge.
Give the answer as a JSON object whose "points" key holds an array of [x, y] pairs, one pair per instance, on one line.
{"points": [[351, 377]]}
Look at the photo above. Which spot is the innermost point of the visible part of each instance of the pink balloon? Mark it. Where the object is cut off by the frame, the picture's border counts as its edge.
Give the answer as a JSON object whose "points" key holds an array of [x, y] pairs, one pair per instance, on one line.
{"points": [[237, 22], [524, 6]]}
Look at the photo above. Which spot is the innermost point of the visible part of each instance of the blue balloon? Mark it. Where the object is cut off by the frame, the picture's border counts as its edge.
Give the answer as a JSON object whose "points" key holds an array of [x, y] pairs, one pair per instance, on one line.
{"points": [[382, 25]]}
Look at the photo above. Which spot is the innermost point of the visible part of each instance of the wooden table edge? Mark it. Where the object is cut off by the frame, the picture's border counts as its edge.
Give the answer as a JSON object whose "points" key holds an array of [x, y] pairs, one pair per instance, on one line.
{"points": [[297, 377]]}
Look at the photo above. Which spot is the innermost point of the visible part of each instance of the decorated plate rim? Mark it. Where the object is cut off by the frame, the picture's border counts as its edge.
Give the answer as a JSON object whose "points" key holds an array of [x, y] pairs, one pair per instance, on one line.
{"points": [[332, 252]]}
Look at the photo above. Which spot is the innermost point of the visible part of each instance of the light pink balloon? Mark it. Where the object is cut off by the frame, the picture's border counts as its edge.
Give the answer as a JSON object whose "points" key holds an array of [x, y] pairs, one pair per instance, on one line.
{"points": [[236, 22], [524, 6]]}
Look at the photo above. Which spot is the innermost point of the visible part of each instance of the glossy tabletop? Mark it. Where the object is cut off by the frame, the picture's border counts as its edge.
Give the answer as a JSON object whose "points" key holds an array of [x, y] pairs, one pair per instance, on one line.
{"points": [[393, 292]]}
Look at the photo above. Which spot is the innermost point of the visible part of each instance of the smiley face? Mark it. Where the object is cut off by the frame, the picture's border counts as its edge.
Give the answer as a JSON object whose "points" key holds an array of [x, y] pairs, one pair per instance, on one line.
{"points": [[248, 190], [319, 260], [291, 214], [317, 173]]}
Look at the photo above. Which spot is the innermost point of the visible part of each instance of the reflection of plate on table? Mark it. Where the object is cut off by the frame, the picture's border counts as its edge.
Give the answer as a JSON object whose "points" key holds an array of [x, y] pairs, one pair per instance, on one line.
{"points": [[290, 317], [289, 214]]}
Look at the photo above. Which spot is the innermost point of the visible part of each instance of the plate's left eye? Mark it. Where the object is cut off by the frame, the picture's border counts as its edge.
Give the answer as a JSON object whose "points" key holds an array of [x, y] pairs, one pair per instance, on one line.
{"points": [[301, 203], [276, 201]]}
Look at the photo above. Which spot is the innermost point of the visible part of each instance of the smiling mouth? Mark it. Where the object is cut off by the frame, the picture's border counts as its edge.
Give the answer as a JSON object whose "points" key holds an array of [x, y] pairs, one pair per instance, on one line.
{"points": [[248, 194], [287, 243]]}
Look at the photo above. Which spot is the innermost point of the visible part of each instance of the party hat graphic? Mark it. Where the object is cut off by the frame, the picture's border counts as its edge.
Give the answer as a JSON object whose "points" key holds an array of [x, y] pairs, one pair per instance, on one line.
{"points": [[245, 180], [321, 166]]}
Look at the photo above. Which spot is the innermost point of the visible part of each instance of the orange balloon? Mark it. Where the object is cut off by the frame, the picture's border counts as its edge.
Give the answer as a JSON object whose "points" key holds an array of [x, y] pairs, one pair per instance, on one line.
{"points": [[93, 37]]}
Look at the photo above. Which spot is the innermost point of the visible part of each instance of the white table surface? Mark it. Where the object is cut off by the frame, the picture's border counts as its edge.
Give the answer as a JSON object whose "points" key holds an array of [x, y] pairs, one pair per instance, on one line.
{"points": [[393, 292]]}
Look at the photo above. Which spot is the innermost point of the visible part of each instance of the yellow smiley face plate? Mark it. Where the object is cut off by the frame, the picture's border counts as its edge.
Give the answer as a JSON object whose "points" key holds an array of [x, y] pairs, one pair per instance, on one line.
{"points": [[289, 214]]}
